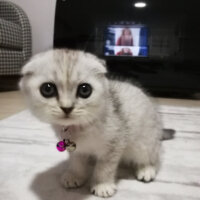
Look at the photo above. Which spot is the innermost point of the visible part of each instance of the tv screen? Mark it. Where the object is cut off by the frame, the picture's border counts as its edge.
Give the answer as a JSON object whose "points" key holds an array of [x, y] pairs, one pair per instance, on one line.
{"points": [[126, 41]]}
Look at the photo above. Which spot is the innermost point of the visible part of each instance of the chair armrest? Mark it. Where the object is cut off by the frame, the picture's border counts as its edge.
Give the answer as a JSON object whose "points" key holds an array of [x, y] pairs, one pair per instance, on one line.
{"points": [[11, 12]]}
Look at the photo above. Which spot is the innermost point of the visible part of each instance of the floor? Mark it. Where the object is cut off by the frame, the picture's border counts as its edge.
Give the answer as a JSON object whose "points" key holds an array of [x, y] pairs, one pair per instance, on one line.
{"points": [[11, 103], [30, 166]]}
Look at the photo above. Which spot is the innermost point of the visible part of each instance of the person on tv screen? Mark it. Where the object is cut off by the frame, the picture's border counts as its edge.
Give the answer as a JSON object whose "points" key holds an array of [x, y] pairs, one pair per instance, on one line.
{"points": [[124, 52], [126, 38]]}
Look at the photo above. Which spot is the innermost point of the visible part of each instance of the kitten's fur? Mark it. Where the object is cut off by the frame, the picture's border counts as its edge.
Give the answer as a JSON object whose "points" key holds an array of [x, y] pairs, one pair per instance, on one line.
{"points": [[118, 122]]}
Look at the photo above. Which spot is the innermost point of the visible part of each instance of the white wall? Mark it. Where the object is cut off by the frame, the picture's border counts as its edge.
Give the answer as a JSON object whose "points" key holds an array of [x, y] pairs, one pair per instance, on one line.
{"points": [[41, 16]]}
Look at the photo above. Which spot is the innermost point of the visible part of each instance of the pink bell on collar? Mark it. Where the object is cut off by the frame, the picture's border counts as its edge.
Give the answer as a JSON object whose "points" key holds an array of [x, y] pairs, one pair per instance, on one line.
{"points": [[61, 145]]}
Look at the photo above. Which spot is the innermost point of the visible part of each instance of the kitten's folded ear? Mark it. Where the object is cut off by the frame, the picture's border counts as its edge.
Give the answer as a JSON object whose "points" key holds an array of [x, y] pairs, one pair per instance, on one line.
{"points": [[35, 62], [98, 65], [27, 69], [103, 68], [103, 62]]}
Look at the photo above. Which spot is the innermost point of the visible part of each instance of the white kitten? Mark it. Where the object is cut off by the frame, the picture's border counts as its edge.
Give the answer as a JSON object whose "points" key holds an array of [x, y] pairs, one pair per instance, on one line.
{"points": [[111, 120]]}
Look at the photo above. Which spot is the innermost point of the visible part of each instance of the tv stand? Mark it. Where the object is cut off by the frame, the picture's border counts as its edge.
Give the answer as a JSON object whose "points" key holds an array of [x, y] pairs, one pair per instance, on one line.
{"points": [[170, 68]]}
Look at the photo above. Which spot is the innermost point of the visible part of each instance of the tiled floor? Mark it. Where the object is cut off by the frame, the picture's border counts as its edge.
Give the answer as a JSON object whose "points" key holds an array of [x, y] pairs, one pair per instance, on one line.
{"points": [[30, 166]]}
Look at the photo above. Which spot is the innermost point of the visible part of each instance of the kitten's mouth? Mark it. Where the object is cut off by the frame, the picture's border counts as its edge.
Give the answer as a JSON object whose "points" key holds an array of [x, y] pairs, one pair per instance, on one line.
{"points": [[66, 117], [63, 117], [64, 120]]}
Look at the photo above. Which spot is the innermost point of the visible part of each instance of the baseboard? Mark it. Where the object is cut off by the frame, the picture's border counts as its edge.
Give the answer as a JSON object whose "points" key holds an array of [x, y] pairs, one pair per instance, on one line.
{"points": [[9, 82]]}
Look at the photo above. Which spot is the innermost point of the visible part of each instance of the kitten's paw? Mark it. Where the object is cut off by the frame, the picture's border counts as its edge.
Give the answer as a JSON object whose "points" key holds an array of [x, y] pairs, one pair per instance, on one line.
{"points": [[146, 174], [104, 189], [69, 180]]}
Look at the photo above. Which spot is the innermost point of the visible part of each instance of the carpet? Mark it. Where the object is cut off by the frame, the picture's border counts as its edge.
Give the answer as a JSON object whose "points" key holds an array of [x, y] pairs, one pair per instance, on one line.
{"points": [[30, 165]]}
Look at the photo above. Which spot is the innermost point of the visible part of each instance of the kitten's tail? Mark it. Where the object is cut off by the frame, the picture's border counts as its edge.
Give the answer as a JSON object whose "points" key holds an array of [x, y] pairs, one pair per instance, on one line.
{"points": [[168, 134]]}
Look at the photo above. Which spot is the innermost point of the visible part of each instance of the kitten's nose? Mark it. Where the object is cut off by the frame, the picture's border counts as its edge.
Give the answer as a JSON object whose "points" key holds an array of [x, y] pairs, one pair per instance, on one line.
{"points": [[67, 110]]}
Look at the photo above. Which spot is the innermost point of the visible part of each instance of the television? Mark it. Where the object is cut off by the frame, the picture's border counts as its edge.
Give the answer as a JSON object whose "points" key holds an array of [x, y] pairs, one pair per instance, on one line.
{"points": [[122, 40]]}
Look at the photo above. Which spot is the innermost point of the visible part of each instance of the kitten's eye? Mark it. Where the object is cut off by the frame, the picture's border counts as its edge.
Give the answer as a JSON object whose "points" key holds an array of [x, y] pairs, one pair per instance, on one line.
{"points": [[48, 90], [84, 90]]}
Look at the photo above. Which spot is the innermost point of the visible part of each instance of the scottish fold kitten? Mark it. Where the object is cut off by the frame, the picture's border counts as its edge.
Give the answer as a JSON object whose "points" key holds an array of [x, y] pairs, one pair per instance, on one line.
{"points": [[111, 120]]}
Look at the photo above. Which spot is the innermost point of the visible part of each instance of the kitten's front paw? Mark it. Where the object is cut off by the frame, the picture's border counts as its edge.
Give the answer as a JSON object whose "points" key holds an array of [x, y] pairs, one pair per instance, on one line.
{"points": [[146, 174], [104, 189], [70, 180]]}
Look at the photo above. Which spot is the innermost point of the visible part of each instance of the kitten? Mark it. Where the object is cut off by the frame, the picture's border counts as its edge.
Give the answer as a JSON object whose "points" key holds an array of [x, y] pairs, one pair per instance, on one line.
{"points": [[112, 120]]}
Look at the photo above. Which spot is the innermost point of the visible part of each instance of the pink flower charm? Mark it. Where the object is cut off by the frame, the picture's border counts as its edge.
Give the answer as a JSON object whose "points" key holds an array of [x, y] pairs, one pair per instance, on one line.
{"points": [[61, 145]]}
